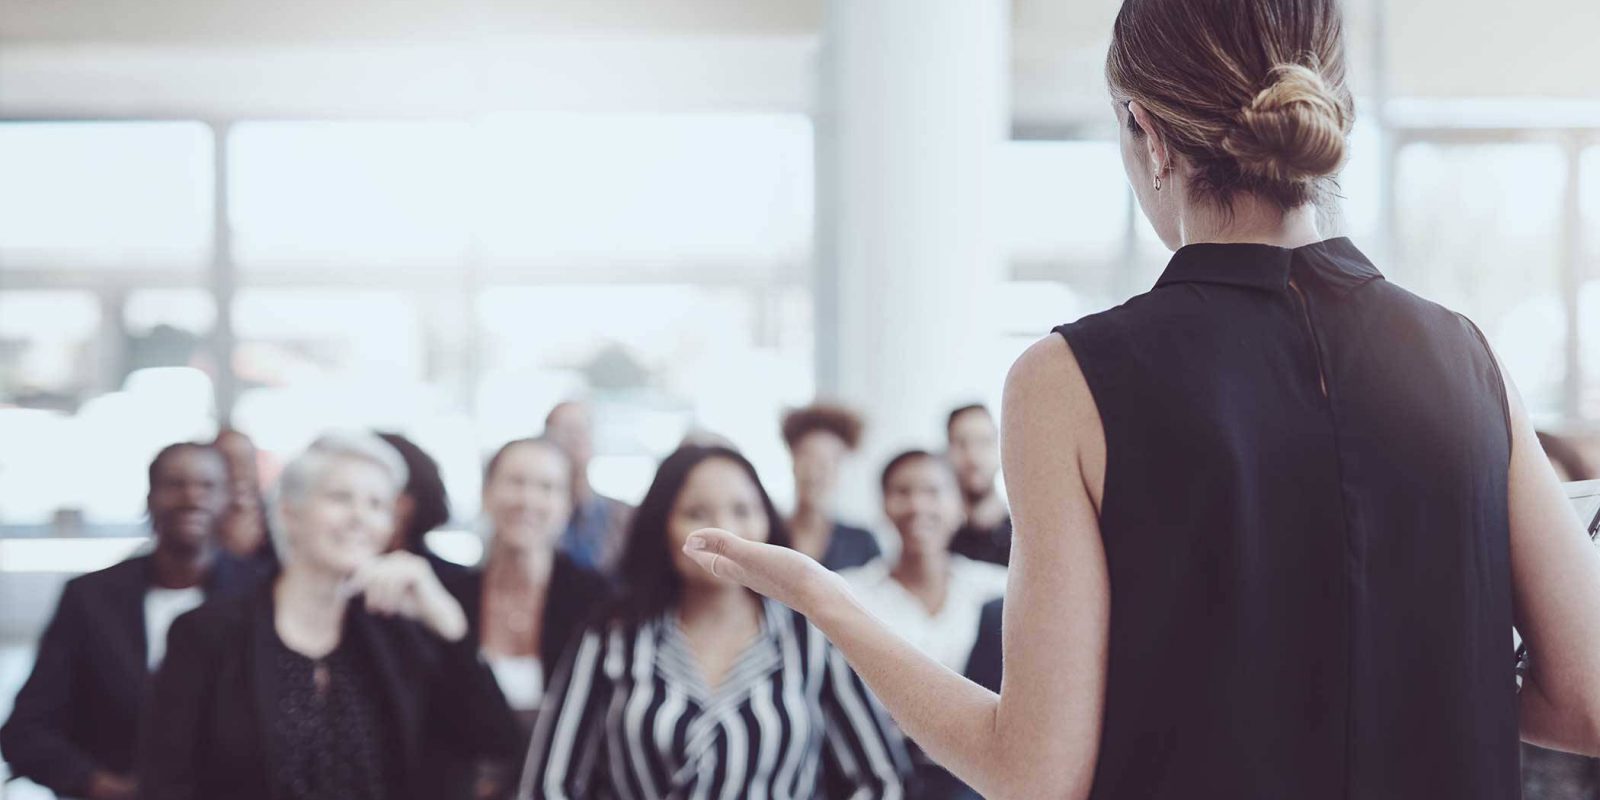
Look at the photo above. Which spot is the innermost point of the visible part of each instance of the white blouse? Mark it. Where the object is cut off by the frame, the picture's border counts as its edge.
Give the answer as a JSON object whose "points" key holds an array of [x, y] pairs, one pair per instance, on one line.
{"points": [[947, 635]]}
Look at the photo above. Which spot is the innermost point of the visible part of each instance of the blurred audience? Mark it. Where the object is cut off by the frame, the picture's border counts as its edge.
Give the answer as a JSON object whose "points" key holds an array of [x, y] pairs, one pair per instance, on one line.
{"points": [[820, 437], [529, 601], [974, 450], [328, 681], [693, 686], [75, 725], [244, 526], [930, 595], [422, 507], [933, 597], [594, 535]]}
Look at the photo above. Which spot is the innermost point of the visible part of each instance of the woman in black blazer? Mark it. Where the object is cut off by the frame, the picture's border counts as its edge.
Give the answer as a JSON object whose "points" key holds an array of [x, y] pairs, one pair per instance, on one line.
{"points": [[524, 607], [326, 683]]}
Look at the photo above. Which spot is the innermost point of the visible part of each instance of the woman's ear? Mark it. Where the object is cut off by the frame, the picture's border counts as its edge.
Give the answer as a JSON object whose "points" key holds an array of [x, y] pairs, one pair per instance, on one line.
{"points": [[1155, 141]]}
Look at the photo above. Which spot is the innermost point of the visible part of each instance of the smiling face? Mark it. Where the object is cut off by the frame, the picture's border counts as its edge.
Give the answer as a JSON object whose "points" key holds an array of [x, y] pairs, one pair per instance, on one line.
{"points": [[345, 518], [571, 427], [717, 494], [922, 500], [528, 496], [975, 451], [188, 497], [817, 459]]}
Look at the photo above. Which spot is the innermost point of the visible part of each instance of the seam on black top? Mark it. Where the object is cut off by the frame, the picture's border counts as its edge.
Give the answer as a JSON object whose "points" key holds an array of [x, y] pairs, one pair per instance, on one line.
{"points": [[1330, 408]]}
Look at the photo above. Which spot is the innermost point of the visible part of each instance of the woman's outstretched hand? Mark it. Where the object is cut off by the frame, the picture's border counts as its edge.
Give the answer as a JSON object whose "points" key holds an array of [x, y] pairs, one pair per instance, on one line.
{"points": [[787, 576]]}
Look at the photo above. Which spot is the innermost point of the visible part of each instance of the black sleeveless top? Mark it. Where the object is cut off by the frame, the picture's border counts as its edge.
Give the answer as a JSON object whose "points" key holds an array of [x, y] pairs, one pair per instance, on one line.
{"points": [[1310, 591]]}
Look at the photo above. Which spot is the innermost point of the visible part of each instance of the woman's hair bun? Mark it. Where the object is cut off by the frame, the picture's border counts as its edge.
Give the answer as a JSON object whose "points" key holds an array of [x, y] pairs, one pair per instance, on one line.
{"points": [[1293, 131]]}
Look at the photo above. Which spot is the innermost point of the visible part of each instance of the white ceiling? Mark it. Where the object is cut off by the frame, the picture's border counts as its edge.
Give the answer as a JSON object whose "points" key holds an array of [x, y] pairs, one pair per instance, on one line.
{"points": [[228, 58]]}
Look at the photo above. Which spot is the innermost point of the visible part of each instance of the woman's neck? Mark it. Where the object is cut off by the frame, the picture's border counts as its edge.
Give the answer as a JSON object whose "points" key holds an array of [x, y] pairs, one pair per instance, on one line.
{"points": [[810, 529], [517, 566], [309, 606], [926, 575], [1250, 220], [703, 605]]}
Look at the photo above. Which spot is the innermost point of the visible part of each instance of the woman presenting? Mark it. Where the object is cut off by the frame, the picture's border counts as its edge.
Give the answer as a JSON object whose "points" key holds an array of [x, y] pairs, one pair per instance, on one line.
{"points": [[1276, 518]]}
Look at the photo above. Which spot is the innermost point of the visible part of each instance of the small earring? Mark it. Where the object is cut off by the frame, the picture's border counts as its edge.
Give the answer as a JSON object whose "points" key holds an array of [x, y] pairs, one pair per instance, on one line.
{"points": [[1158, 181]]}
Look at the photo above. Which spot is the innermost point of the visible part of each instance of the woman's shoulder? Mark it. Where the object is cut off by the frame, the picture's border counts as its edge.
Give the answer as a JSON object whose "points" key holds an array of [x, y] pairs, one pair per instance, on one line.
{"points": [[850, 546], [217, 623], [1150, 311]]}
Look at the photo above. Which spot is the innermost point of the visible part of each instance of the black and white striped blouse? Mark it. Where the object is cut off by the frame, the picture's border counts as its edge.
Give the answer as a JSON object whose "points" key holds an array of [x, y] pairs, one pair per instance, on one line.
{"points": [[629, 716]]}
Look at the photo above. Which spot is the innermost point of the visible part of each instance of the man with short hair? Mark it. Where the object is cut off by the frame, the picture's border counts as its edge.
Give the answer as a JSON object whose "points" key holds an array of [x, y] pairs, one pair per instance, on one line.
{"points": [[74, 726], [595, 533], [974, 451]]}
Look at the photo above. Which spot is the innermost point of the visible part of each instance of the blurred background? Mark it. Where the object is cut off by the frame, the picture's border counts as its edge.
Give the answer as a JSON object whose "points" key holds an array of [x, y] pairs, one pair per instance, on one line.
{"points": [[441, 217]]}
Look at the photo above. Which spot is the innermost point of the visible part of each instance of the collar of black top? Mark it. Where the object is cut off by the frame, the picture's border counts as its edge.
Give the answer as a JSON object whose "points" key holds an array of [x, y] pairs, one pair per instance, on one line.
{"points": [[1264, 266]]}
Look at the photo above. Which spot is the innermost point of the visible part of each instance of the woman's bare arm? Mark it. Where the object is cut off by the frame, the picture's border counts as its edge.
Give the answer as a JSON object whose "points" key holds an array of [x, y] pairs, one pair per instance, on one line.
{"points": [[1039, 737], [1556, 584]]}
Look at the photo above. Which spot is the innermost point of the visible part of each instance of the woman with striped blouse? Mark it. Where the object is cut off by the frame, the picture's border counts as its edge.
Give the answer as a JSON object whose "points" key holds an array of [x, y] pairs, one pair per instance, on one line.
{"points": [[694, 687]]}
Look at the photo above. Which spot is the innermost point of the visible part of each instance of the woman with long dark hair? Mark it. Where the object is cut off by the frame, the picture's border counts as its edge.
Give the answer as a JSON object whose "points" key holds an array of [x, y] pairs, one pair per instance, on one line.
{"points": [[1275, 518], [696, 687]]}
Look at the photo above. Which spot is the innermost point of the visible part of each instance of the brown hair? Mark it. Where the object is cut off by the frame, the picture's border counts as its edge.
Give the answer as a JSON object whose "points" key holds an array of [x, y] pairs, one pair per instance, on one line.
{"points": [[834, 419], [1251, 92], [950, 421]]}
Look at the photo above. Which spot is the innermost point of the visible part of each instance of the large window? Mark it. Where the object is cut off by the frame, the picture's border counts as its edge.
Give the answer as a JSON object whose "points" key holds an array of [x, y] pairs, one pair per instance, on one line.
{"points": [[650, 192], [454, 279], [366, 196], [1481, 231], [449, 280], [1589, 276], [105, 195]]}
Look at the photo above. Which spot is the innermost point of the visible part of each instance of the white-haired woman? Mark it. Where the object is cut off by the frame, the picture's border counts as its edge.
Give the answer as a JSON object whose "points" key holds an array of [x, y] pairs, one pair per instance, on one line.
{"points": [[322, 684]]}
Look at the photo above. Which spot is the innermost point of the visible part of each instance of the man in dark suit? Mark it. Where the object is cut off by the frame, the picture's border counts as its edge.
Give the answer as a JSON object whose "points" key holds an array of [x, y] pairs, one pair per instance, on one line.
{"points": [[74, 726]]}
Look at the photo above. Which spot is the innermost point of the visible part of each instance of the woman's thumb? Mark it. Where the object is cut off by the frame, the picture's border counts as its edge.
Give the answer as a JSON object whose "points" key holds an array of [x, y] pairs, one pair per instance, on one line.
{"points": [[709, 545]]}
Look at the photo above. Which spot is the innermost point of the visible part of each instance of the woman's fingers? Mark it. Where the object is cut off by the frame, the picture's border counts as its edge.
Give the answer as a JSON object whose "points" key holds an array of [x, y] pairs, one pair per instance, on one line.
{"points": [[718, 552], [777, 572]]}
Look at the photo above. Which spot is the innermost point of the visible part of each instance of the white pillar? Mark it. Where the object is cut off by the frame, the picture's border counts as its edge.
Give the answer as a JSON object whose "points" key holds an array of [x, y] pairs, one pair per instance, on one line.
{"points": [[913, 107]]}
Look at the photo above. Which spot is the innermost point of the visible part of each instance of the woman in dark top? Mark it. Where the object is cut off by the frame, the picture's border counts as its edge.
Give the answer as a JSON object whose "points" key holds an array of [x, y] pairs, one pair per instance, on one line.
{"points": [[694, 687], [524, 604], [529, 600], [1274, 519], [422, 507], [326, 683], [819, 437]]}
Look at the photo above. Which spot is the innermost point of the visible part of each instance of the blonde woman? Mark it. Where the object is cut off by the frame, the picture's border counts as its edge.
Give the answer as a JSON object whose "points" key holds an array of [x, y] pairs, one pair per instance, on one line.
{"points": [[324, 683], [1275, 518]]}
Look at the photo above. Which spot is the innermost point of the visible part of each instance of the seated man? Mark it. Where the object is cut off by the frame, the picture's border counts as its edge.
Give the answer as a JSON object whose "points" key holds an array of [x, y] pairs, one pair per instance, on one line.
{"points": [[74, 726]]}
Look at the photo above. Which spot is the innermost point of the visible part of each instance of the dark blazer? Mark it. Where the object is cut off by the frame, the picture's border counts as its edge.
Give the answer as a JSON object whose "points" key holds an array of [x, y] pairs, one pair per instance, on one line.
{"points": [[214, 703], [79, 710], [576, 593], [984, 666], [849, 547]]}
